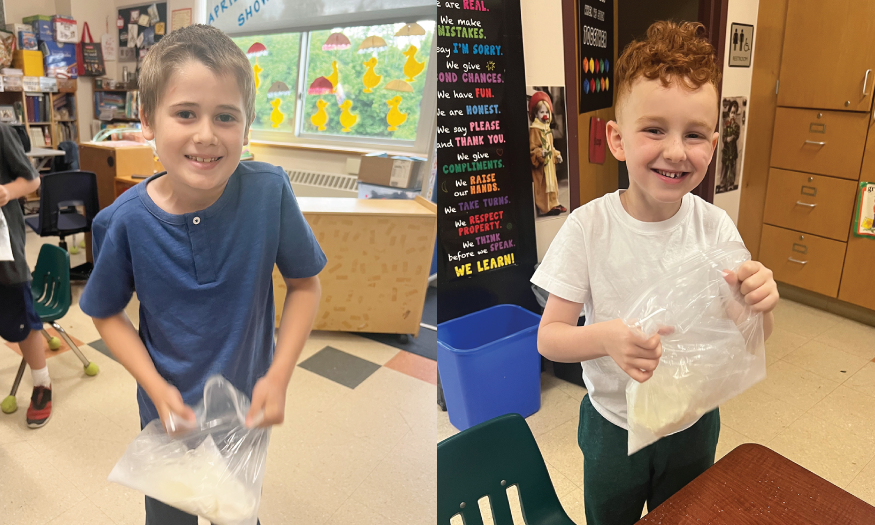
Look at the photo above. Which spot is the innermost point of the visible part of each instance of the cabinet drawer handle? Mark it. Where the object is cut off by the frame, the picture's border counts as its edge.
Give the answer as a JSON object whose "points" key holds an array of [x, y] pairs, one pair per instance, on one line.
{"points": [[866, 82], [805, 204], [817, 143], [803, 263]]}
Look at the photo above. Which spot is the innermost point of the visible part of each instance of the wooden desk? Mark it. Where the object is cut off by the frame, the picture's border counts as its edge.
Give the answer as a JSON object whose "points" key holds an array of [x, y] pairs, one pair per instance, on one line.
{"points": [[755, 485], [379, 256], [125, 182]]}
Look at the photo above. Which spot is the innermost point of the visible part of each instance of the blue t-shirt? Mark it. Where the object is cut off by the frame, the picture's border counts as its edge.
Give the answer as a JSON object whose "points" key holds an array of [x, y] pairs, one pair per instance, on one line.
{"points": [[204, 279]]}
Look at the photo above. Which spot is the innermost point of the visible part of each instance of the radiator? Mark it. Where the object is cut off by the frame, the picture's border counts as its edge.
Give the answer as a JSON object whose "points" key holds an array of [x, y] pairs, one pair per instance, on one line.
{"points": [[315, 184]]}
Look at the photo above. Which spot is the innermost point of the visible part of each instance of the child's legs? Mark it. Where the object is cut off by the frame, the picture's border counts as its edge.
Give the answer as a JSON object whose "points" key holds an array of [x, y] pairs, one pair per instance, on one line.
{"points": [[33, 349], [540, 190], [615, 485], [158, 513], [23, 325], [678, 459]]}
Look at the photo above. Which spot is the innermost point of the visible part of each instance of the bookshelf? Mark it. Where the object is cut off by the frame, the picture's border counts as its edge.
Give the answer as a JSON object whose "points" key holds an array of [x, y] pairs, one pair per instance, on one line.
{"points": [[123, 102], [48, 118]]}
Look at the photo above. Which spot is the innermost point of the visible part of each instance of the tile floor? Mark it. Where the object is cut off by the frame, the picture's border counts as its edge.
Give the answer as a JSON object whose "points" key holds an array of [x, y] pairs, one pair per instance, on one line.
{"points": [[816, 407], [357, 446]]}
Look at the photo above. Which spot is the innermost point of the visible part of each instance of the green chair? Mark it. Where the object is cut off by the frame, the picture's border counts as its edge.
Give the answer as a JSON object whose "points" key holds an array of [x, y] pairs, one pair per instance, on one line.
{"points": [[486, 460], [51, 294]]}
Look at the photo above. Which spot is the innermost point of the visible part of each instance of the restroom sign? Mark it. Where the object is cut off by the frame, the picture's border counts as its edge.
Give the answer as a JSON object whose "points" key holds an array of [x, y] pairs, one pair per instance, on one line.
{"points": [[740, 43]]}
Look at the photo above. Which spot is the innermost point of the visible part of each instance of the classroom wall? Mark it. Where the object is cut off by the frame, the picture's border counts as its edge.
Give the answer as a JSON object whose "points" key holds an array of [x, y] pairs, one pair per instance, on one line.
{"points": [[736, 83], [544, 54]]}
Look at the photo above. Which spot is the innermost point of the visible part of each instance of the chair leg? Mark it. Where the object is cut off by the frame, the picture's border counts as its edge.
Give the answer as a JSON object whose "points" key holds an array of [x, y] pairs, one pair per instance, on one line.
{"points": [[18, 377], [46, 335], [70, 342]]}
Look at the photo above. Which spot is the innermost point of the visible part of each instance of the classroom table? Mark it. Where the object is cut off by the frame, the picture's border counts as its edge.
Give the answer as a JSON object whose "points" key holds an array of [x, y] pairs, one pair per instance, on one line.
{"points": [[754, 485], [41, 157]]}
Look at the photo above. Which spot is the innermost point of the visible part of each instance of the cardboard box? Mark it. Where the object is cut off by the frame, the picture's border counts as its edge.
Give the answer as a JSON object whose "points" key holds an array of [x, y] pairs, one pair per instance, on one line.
{"points": [[30, 84], [12, 83], [17, 28], [48, 84], [66, 85], [42, 26], [60, 59], [26, 40], [29, 62], [65, 29], [396, 171]]}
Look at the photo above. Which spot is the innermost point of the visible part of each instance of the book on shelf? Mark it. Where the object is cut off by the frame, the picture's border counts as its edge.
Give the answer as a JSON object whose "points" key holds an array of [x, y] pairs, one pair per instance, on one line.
{"points": [[38, 138], [36, 108]]}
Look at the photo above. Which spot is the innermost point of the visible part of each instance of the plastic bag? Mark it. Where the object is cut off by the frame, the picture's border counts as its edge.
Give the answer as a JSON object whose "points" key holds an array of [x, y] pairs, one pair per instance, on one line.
{"points": [[213, 469], [716, 351]]}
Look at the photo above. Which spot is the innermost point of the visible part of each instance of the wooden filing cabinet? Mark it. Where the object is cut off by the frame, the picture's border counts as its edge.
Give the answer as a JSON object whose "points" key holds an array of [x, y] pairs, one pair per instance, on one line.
{"points": [[810, 203], [803, 260], [108, 161], [817, 141]]}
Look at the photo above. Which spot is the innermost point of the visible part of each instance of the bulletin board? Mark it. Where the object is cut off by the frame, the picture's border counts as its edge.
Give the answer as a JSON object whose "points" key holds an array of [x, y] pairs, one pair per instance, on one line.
{"points": [[486, 248], [153, 32]]}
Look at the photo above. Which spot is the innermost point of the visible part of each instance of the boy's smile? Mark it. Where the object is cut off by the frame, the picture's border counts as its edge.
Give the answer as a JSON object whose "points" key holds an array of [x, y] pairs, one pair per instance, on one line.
{"points": [[199, 128], [666, 137]]}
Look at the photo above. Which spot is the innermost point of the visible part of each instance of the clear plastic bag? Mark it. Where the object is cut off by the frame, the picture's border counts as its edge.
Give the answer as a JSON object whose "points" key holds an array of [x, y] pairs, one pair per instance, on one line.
{"points": [[716, 351], [213, 469]]}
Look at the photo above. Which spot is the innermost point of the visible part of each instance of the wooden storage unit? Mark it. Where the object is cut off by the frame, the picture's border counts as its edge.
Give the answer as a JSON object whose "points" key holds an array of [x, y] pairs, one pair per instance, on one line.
{"points": [[803, 260], [828, 50], [108, 161], [812, 203], [52, 121], [821, 142], [379, 256], [814, 141]]}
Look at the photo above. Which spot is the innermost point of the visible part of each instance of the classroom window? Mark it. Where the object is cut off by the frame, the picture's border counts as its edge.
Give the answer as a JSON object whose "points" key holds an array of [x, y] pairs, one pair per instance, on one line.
{"points": [[354, 84]]}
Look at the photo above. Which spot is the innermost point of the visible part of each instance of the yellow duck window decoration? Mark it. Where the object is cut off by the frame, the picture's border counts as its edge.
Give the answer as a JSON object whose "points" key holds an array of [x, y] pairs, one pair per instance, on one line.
{"points": [[371, 79], [412, 67], [347, 119], [320, 118], [395, 118]]}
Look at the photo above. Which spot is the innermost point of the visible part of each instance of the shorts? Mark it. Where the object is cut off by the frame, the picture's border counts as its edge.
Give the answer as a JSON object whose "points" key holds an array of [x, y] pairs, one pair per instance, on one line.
{"points": [[19, 316]]}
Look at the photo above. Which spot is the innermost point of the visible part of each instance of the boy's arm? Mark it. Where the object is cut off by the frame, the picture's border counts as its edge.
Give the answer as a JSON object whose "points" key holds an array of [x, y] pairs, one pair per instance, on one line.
{"points": [[299, 313], [18, 188], [561, 340], [125, 344]]}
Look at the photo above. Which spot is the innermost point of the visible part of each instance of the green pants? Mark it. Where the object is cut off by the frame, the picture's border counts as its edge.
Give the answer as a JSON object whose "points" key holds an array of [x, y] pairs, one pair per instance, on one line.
{"points": [[616, 486]]}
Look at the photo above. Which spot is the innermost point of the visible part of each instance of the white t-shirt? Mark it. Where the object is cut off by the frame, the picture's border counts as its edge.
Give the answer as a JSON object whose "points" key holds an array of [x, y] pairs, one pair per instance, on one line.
{"points": [[602, 255]]}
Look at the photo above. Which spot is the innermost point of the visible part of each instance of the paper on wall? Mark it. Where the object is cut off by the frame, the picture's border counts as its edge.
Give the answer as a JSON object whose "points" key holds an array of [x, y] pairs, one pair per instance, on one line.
{"points": [[5, 242]]}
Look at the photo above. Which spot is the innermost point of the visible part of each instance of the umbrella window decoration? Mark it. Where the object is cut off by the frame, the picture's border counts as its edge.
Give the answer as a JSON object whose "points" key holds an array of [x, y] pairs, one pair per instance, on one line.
{"points": [[372, 79], [273, 114]]}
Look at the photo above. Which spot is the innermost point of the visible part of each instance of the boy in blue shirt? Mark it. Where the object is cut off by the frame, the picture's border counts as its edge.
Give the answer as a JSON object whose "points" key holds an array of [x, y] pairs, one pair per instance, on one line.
{"points": [[199, 243]]}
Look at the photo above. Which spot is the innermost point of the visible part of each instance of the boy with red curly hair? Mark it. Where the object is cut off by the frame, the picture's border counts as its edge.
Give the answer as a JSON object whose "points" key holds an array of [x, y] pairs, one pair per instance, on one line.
{"points": [[667, 111]]}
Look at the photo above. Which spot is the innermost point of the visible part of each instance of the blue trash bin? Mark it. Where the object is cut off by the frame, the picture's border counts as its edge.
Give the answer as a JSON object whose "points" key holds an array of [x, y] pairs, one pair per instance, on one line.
{"points": [[489, 364]]}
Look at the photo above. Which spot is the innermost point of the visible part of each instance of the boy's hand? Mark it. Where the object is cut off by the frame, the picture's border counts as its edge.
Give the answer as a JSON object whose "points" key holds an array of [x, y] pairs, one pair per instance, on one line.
{"points": [[757, 285], [4, 195], [268, 402], [167, 399], [636, 354]]}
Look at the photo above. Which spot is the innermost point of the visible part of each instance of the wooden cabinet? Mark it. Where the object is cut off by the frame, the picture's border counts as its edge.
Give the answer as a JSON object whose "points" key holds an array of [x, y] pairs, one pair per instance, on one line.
{"points": [[858, 286], [803, 260], [108, 160], [824, 142], [828, 49], [379, 257], [810, 203]]}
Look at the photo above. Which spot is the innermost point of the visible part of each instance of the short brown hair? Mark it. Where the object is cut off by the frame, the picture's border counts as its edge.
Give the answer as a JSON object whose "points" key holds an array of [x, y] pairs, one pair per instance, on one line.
{"points": [[206, 44], [671, 52]]}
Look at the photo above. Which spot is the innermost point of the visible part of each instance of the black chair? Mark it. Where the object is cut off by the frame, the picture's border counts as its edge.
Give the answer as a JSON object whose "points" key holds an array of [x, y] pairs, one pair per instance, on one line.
{"points": [[60, 194]]}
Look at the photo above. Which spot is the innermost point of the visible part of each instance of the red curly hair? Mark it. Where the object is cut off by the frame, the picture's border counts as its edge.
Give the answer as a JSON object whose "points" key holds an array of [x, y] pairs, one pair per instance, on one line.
{"points": [[672, 53]]}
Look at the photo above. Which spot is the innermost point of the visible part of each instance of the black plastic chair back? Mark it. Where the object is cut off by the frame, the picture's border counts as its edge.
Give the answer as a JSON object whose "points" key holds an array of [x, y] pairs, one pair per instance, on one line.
{"points": [[59, 193]]}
